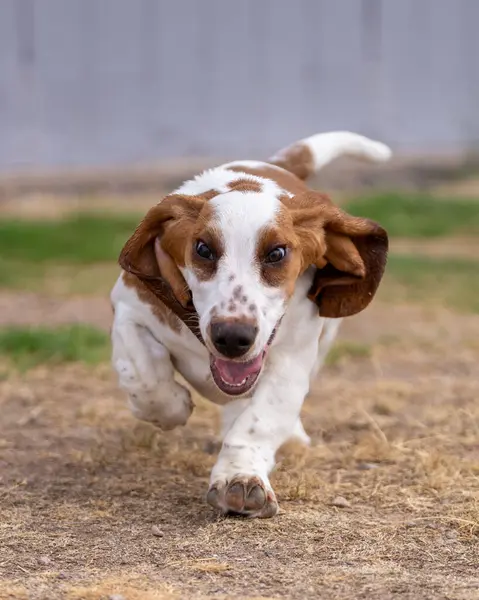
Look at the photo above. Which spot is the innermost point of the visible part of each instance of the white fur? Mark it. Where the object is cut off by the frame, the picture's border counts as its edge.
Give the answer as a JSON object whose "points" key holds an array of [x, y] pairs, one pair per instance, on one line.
{"points": [[219, 178], [253, 427], [239, 217], [326, 147], [249, 164], [145, 349]]}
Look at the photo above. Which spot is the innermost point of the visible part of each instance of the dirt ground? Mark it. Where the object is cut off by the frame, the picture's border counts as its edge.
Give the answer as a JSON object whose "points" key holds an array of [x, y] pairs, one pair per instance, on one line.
{"points": [[385, 504], [96, 506]]}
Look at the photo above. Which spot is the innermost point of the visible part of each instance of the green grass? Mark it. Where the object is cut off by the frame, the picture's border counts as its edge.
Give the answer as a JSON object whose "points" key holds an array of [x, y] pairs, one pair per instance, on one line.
{"points": [[63, 256], [27, 347], [79, 254], [81, 239], [19, 274], [418, 215], [449, 282]]}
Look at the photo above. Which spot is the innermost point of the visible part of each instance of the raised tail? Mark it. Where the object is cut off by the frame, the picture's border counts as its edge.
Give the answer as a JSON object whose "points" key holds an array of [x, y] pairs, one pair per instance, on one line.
{"points": [[306, 157]]}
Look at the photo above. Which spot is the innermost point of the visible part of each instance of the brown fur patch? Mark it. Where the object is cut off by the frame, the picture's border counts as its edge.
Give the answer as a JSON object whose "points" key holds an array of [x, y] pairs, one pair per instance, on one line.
{"points": [[209, 194], [297, 159], [172, 221], [245, 185], [205, 231], [285, 272], [287, 181], [350, 253], [162, 312]]}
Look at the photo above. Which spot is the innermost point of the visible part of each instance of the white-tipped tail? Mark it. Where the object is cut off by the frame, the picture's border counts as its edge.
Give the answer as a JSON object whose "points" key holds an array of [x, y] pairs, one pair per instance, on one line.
{"points": [[311, 154]]}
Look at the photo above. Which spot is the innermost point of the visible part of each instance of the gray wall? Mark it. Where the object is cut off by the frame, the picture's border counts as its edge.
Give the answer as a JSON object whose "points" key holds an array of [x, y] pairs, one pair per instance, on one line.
{"points": [[101, 82]]}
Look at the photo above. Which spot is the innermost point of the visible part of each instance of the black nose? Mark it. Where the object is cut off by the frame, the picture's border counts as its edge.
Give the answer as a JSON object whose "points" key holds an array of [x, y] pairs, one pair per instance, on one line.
{"points": [[233, 339]]}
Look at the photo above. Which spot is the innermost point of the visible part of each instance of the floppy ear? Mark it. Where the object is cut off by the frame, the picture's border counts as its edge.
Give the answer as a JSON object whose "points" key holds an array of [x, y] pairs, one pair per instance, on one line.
{"points": [[158, 246], [350, 254]]}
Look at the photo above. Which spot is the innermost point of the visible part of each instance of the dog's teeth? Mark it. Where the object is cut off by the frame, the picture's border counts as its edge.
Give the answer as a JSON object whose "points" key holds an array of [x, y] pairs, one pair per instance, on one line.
{"points": [[237, 384]]}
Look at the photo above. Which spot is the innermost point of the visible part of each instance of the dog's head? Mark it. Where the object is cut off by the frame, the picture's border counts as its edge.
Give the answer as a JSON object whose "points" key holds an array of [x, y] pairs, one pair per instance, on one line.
{"points": [[238, 255]]}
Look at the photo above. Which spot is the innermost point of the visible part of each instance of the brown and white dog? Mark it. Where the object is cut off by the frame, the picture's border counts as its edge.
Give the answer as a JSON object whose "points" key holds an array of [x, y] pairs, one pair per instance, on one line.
{"points": [[239, 280]]}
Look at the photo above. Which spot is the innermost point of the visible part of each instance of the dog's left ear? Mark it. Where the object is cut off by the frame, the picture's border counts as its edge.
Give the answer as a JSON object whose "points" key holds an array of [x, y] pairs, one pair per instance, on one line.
{"points": [[157, 247], [350, 254]]}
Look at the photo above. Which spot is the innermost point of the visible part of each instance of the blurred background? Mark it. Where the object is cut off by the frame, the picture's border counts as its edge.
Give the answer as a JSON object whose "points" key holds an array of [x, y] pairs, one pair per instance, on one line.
{"points": [[122, 82], [105, 106]]}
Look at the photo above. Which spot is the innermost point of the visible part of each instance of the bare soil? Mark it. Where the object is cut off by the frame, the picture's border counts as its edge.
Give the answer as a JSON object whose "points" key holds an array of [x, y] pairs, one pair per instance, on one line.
{"points": [[95, 505]]}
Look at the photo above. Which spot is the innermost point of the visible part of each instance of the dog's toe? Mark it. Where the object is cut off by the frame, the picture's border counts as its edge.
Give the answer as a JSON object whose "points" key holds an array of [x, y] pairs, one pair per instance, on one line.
{"points": [[245, 495]]}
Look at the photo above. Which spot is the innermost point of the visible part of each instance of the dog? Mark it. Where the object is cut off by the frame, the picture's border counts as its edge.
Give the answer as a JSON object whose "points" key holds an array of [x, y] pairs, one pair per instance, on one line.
{"points": [[239, 280]]}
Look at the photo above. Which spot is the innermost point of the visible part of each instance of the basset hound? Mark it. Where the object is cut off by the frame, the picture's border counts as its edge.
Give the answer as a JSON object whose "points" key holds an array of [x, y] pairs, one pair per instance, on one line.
{"points": [[239, 280]]}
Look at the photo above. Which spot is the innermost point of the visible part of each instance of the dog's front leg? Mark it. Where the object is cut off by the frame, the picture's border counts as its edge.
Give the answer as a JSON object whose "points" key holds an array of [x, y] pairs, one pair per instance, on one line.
{"points": [[146, 373], [232, 410], [240, 479]]}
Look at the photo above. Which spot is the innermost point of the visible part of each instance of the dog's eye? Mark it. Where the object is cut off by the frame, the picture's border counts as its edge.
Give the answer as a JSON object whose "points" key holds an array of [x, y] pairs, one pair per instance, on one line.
{"points": [[203, 251], [276, 255]]}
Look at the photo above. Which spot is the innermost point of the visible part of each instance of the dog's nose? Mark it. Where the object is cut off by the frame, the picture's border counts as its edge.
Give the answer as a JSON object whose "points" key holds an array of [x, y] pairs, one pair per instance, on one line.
{"points": [[233, 339]]}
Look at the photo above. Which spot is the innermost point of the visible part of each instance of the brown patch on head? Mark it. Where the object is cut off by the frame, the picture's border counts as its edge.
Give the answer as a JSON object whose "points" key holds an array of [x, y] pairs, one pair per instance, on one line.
{"points": [[287, 181], [297, 159], [209, 194], [163, 243], [253, 308], [282, 235], [232, 277], [206, 232], [160, 310], [349, 253], [245, 185], [284, 198], [232, 306], [244, 299]]}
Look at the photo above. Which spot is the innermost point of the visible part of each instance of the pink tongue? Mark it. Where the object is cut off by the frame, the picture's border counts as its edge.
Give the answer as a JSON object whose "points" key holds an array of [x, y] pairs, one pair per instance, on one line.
{"points": [[234, 372]]}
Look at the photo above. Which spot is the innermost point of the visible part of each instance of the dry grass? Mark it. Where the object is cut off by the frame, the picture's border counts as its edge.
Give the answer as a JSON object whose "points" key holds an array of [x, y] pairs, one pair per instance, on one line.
{"points": [[96, 506], [127, 587], [394, 432]]}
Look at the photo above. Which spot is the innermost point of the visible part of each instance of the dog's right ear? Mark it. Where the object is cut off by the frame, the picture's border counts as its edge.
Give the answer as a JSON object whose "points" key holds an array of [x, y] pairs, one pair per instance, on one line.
{"points": [[350, 254], [158, 246]]}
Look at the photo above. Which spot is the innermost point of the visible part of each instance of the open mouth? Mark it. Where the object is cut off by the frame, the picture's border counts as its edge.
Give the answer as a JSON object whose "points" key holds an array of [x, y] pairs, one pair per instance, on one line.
{"points": [[236, 378]]}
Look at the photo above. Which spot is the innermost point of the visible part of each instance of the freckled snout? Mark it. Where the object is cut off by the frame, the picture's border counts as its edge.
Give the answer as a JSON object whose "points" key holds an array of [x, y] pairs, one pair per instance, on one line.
{"points": [[233, 339]]}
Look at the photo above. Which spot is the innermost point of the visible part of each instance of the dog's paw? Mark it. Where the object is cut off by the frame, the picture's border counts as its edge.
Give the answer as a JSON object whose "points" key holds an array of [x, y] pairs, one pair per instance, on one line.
{"points": [[168, 406], [245, 495]]}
